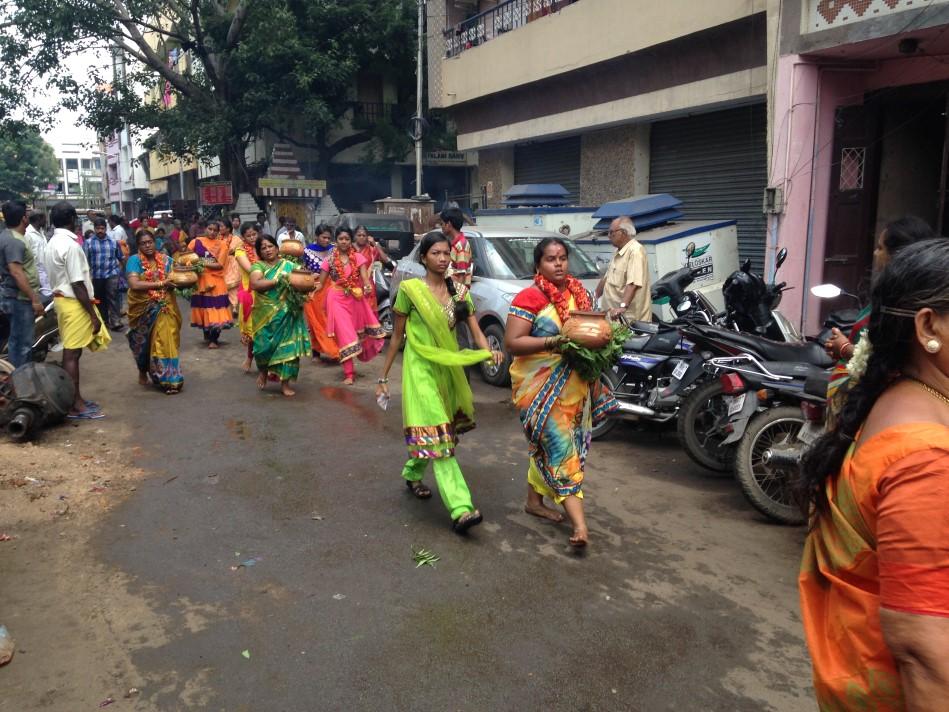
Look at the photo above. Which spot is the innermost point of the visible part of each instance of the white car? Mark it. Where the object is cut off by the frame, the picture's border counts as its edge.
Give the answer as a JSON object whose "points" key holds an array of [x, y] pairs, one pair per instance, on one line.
{"points": [[503, 262]]}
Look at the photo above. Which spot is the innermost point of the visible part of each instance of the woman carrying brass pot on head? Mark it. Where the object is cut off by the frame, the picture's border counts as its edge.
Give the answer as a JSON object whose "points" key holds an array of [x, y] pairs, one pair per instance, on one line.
{"points": [[280, 334], [557, 407], [154, 318]]}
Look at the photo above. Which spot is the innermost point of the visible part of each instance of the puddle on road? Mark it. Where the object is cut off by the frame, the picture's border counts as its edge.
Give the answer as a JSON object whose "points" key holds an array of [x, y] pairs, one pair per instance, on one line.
{"points": [[354, 401]]}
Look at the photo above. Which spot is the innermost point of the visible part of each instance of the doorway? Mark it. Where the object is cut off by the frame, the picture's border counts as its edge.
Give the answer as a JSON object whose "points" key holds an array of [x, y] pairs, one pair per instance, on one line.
{"points": [[890, 160]]}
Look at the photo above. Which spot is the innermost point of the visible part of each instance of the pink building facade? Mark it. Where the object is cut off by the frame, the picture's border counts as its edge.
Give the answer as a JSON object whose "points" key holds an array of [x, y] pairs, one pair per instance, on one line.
{"points": [[858, 127]]}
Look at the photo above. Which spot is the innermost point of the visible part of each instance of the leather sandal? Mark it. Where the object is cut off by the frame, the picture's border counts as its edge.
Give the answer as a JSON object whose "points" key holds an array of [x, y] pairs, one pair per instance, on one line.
{"points": [[418, 489], [466, 521]]}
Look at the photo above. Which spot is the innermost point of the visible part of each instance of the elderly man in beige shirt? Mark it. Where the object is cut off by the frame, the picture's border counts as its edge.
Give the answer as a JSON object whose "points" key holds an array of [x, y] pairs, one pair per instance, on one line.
{"points": [[625, 286]]}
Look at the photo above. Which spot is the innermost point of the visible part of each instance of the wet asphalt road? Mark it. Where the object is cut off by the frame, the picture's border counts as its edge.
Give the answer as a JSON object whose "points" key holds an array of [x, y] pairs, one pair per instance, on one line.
{"points": [[685, 600]]}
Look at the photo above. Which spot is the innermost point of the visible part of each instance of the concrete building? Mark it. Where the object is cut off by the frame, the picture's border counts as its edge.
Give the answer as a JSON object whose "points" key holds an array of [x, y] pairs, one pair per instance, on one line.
{"points": [[858, 133], [127, 181], [80, 180], [611, 98]]}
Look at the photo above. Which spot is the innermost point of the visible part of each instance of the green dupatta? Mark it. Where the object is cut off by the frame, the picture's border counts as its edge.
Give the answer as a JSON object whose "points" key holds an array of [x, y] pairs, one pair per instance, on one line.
{"points": [[447, 361]]}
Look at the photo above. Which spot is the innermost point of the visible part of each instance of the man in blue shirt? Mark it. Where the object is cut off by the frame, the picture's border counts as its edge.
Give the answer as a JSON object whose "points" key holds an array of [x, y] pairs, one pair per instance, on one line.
{"points": [[105, 265]]}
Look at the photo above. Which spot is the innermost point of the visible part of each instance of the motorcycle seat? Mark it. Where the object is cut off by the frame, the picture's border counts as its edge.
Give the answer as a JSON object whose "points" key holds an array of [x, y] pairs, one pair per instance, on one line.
{"points": [[795, 369], [636, 343], [807, 352]]}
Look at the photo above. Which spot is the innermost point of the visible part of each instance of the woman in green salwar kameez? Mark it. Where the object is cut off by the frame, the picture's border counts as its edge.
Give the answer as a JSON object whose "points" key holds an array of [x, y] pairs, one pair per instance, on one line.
{"points": [[279, 327], [437, 405]]}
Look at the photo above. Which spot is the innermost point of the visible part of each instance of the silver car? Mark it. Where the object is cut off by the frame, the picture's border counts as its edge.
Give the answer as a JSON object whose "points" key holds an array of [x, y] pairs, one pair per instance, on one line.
{"points": [[503, 261]]}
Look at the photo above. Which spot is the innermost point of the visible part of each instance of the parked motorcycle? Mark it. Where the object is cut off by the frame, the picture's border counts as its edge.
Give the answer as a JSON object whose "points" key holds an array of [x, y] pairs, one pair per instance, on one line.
{"points": [[703, 424], [767, 405], [45, 334], [382, 279], [657, 365]]}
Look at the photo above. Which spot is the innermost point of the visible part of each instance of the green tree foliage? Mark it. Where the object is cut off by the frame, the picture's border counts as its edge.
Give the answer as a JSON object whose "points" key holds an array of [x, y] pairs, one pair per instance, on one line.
{"points": [[289, 66], [27, 163]]}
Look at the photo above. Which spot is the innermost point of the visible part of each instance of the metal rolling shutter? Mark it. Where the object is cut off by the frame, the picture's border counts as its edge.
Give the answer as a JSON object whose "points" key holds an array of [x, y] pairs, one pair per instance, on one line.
{"points": [[550, 162], [716, 164]]}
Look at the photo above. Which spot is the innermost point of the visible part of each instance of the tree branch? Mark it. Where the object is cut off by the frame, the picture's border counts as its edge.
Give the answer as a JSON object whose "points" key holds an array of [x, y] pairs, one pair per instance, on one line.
{"points": [[345, 142], [210, 66], [237, 24], [147, 56]]}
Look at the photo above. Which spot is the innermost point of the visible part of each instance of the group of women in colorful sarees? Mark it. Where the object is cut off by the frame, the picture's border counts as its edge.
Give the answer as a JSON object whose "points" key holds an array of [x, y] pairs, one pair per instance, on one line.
{"points": [[556, 406], [244, 276]]}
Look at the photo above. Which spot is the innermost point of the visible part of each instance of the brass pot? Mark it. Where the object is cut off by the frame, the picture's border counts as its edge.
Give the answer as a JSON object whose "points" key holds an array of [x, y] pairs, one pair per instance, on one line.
{"points": [[291, 248], [589, 329], [302, 280], [183, 278], [187, 258]]}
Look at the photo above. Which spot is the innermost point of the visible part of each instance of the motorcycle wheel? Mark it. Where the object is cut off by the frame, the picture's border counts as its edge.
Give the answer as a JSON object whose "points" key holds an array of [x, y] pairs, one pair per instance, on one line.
{"points": [[768, 488], [699, 431], [386, 321], [608, 380]]}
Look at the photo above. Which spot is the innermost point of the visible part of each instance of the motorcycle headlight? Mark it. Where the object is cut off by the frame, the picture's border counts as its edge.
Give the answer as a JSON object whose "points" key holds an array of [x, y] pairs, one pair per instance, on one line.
{"points": [[684, 306]]}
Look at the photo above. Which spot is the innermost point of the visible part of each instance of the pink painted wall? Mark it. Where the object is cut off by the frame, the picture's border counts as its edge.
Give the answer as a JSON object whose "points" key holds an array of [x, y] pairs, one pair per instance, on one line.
{"points": [[805, 99]]}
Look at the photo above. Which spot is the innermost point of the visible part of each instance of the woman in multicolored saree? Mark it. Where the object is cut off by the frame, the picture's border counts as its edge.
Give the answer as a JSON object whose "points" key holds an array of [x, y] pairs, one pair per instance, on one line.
{"points": [[154, 319], [557, 407], [245, 255], [349, 318], [437, 405], [280, 336], [315, 254]]}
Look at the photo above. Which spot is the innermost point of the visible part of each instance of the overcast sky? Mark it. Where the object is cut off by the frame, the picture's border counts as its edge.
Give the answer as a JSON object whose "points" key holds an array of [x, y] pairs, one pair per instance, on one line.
{"points": [[66, 129]]}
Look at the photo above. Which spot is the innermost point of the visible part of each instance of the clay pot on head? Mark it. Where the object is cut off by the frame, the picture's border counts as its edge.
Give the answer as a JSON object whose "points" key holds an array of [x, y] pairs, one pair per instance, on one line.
{"points": [[187, 259], [291, 248], [183, 278], [589, 329], [303, 280]]}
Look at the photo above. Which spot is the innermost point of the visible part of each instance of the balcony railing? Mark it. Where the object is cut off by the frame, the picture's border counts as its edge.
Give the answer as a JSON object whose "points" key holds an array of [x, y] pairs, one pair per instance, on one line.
{"points": [[367, 114], [504, 17]]}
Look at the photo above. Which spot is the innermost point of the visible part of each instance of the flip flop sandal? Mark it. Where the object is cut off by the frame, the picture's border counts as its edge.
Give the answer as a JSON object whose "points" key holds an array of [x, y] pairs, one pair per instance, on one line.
{"points": [[86, 415], [92, 405], [418, 489], [466, 521]]}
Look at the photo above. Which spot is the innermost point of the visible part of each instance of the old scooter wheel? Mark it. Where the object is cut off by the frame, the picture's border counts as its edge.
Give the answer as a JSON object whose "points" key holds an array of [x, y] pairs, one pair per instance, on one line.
{"points": [[768, 488]]}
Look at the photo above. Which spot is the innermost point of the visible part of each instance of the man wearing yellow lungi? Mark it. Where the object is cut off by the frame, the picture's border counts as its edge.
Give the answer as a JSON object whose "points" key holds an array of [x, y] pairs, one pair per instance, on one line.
{"points": [[80, 324]]}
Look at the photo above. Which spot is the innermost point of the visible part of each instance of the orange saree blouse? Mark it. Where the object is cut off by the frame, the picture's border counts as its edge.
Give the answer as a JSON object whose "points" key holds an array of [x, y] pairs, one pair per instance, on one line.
{"points": [[884, 543]]}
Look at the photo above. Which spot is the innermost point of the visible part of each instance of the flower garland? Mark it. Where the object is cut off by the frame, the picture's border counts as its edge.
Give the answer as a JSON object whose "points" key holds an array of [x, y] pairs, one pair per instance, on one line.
{"points": [[561, 300], [857, 365], [154, 272], [351, 284]]}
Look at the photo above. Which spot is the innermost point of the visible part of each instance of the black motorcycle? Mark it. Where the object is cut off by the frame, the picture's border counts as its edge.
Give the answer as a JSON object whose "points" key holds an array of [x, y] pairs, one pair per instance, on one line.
{"points": [[657, 365], [773, 411], [705, 432]]}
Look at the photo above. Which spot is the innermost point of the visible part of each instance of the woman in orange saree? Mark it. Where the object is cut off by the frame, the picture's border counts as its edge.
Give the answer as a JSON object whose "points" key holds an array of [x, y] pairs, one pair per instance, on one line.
{"points": [[210, 307], [874, 579], [314, 256]]}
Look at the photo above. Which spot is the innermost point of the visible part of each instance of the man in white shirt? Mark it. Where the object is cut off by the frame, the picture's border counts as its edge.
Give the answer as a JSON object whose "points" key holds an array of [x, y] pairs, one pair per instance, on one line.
{"points": [[290, 232], [36, 238], [625, 286], [80, 325]]}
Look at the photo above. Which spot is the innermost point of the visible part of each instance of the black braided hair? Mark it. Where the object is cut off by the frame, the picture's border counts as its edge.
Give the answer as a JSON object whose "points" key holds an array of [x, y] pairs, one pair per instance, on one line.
{"points": [[462, 310], [915, 278]]}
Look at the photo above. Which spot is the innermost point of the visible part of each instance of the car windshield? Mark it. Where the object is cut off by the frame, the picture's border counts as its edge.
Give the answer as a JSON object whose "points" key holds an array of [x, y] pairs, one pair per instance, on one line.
{"points": [[513, 258]]}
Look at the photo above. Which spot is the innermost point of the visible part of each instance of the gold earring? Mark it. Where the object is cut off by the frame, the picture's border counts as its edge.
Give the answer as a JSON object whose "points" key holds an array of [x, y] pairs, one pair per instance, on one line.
{"points": [[933, 346]]}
